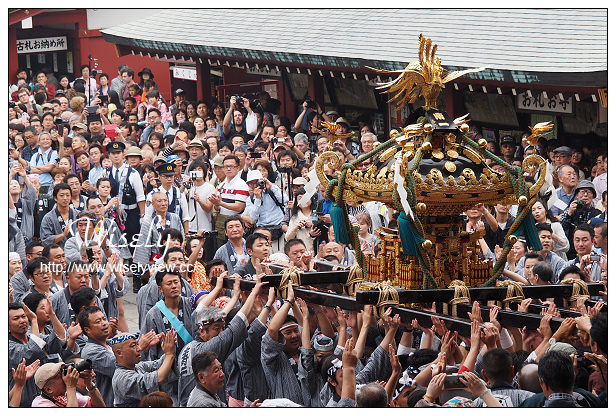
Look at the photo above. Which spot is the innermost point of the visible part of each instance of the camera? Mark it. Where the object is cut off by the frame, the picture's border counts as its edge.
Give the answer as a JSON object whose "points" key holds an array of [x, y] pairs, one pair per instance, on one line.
{"points": [[92, 109], [90, 254], [239, 100], [82, 366], [285, 169], [310, 103], [255, 155], [261, 184], [595, 257], [453, 381], [274, 141], [194, 174]]}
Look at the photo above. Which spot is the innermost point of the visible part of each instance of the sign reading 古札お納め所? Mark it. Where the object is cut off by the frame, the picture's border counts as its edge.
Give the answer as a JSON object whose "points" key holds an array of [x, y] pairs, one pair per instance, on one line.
{"points": [[39, 45]]}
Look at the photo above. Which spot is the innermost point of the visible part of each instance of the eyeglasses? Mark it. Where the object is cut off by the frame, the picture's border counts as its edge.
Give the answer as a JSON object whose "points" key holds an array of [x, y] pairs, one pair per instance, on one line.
{"points": [[229, 167], [585, 191]]}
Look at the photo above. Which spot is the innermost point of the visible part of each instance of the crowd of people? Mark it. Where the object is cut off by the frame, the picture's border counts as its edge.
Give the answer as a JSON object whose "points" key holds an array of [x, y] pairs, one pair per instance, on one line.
{"points": [[115, 188]]}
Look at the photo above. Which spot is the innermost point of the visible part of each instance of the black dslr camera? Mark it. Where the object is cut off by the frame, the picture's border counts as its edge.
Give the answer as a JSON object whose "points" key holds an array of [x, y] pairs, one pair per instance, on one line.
{"points": [[239, 100], [261, 184], [82, 366], [310, 103]]}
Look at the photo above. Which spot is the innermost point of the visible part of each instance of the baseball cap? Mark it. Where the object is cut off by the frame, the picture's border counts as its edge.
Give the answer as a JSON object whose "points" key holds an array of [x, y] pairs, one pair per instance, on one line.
{"points": [[46, 372], [218, 160], [342, 120], [507, 139], [254, 175], [80, 126], [179, 91], [299, 181]]}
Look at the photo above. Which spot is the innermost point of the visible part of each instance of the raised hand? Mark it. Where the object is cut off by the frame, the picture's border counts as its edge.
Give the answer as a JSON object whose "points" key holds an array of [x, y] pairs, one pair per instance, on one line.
{"points": [[74, 330], [169, 340], [349, 356], [475, 313]]}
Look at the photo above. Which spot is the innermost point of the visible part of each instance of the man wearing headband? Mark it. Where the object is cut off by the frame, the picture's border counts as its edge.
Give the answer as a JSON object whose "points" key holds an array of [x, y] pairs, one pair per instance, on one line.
{"points": [[378, 366], [213, 336], [134, 378], [289, 367]]}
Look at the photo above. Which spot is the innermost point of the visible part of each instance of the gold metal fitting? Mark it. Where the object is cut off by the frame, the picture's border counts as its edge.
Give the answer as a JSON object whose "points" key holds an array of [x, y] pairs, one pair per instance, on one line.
{"points": [[483, 143], [464, 128], [421, 207], [427, 244], [426, 147], [522, 200], [513, 239], [393, 133], [428, 128], [451, 138]]}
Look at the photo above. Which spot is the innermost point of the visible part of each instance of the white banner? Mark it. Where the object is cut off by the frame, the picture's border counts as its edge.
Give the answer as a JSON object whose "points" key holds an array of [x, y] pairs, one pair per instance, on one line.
{"points": [[538, 102], [41, 45], [185, 72]]}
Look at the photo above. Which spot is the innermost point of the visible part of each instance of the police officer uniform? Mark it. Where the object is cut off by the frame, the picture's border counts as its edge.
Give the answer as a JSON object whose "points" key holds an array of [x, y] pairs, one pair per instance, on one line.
{"points": [[126, 183], [177, 200]]}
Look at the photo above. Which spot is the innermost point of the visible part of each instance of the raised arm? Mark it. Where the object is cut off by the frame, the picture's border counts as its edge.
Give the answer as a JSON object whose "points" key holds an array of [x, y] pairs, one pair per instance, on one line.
{"points": [[305, 322], [281, 314], [349, 362], [168, 346]]}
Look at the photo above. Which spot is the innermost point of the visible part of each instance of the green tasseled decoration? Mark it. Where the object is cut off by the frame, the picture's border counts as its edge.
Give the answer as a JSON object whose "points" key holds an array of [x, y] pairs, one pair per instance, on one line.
{"points": [[529, 230], [338, 216], [408, 235]]}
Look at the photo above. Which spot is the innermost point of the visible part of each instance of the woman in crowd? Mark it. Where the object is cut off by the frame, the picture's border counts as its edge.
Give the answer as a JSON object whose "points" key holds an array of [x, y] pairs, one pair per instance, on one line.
{"points": [[542, 214]]}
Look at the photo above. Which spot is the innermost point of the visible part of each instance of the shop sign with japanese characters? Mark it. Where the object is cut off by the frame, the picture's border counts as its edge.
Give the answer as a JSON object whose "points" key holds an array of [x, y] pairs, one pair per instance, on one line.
{"points": [[183, 72], [538, 102], [41, 45]]}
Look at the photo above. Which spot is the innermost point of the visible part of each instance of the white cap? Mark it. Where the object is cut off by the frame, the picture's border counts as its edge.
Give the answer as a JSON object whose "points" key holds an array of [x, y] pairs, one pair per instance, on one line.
{"points": [[254, 175], [14, 256]]}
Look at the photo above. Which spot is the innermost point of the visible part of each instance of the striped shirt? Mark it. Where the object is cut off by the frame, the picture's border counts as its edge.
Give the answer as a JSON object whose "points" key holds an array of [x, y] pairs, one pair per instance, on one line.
{"points": [[231, 192]]}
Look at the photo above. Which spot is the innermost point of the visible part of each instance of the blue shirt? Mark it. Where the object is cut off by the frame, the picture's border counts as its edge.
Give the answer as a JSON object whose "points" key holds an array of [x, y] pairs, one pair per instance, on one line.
{"points": [[95, 173], [558, 207], [41, 159], [265, 211]]}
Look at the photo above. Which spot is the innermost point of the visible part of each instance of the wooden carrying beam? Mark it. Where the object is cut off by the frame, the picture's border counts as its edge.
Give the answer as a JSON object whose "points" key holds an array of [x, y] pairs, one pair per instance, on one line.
{"points": [[505, 318], [424, 319], [477, 293], [350, 304]]}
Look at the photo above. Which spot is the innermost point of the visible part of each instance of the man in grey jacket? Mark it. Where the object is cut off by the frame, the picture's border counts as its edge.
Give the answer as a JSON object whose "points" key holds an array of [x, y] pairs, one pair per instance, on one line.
{"points": [[210, 376]]}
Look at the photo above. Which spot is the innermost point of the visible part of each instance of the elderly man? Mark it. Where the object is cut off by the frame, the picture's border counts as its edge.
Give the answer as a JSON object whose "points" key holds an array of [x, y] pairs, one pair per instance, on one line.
{"points": [[367, 142], [209, 372], [213, 336], [177, 203], [147, 249], [580, 210], [58, 385], [127, 185], [568, 179]]}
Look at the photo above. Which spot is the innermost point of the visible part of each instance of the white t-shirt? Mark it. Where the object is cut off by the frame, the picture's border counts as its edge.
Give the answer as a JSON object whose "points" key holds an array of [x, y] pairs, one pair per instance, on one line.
{"points": [[233, 191], [198, 218]]}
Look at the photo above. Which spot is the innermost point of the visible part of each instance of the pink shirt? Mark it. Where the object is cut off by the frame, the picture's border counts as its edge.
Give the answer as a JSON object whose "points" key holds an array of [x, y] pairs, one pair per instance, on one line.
{"points": [[82, 401]]}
